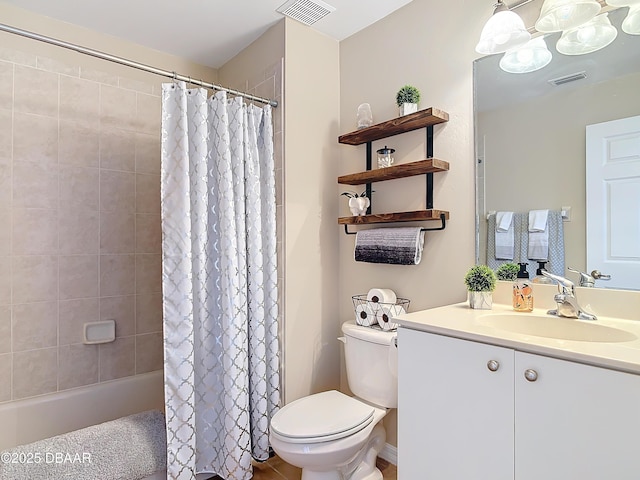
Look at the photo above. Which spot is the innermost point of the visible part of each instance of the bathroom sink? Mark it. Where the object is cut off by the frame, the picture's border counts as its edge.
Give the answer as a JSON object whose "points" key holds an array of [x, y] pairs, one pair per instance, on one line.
{"points": [[556, 327]]}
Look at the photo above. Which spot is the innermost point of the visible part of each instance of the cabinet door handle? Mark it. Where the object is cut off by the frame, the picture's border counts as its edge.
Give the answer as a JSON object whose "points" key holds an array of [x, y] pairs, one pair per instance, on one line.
{"points": [[531, 375], [493, 365]]}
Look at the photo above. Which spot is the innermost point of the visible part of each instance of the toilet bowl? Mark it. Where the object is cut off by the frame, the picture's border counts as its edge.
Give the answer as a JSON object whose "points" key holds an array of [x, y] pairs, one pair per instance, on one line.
{"points": [[333, 436]]}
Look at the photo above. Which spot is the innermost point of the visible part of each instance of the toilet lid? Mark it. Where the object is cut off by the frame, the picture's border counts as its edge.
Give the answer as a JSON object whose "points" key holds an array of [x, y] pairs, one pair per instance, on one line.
{"points": [[324, 416]]}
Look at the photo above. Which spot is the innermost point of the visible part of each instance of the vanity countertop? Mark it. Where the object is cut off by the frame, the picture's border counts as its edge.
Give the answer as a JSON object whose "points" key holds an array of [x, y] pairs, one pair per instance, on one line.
{"points": [[462, 322]]}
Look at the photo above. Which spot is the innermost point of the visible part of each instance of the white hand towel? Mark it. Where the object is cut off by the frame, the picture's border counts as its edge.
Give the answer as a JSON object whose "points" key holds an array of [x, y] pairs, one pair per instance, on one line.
{"points": [[365, 315], [538, 235], [385, 314], [504, 236]]}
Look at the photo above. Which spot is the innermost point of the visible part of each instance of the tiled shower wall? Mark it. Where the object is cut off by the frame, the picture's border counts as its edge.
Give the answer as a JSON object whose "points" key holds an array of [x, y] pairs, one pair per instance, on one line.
{"points": [[80, 236]]}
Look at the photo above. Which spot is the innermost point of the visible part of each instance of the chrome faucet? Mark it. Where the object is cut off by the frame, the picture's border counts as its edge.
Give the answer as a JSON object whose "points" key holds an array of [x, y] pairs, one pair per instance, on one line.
{"points": [[567, 303], [587, 280]]}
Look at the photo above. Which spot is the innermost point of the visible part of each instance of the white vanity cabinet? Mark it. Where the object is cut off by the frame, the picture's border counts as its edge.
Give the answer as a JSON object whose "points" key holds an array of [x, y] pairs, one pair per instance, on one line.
{"points": [[467, 412]]}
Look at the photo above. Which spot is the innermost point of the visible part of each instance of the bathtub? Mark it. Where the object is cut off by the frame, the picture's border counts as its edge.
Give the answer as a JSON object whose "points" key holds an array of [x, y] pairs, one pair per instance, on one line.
{"points": [[26, 421]]}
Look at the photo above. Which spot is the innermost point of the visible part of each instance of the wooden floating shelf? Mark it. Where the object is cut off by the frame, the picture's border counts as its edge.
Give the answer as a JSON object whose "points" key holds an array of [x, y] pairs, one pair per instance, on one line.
{"points": [[403, 170], [418, 215], [405, 123]]}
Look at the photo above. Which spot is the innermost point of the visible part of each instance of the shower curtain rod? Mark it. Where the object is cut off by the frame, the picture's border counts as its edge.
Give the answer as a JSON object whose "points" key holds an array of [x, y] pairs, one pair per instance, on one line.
{"points": [[130, 63]]}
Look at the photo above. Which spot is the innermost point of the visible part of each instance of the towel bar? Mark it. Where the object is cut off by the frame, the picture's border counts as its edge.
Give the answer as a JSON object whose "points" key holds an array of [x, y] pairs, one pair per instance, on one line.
{"points": [[441, 227]]}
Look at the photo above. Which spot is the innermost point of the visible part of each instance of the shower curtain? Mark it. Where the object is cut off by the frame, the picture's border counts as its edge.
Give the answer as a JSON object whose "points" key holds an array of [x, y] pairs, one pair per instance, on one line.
{"points": [[219, 282]]}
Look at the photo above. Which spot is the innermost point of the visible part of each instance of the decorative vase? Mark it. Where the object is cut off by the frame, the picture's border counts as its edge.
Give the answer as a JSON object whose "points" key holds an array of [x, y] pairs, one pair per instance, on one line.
{"points": [[407, 108], [359, 205], [481, 300]]}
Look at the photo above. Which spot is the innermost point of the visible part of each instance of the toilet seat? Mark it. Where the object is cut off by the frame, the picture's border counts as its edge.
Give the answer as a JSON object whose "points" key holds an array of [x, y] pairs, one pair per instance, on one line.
{"points": [[321, 417]]}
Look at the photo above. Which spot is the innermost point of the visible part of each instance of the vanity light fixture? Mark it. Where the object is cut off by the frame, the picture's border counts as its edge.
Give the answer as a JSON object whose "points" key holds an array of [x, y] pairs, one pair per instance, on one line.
{"points": [[587, 38], [557, 15], [532, 56], [631, 23], [503, 31]]}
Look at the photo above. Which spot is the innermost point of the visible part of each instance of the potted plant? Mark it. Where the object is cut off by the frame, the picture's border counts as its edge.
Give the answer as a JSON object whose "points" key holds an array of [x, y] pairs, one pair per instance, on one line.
{"points": [[407, 99], [358, 202], [480, 281], [507, 271]]}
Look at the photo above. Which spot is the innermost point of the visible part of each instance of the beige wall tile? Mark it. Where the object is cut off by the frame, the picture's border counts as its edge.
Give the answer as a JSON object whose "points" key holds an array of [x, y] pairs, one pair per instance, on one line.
{"points": [[117, 232], [78, 144], [117, 149], [5, 280], [56, 66], [117, 359], [35, 231], [35, 278], [117, 107], [35, 185], [149, 313], [117, 275], [122, 310], [148, 153], [6, 85], [148, 273], [149, 115], [78, 365], [35, 138], [137, 85], [5, 231], [35, 325], [5, 329], [99, 76], [149, 352], [35, 91], [78, 231], [80, 100], [6, 133], [5, 377], [73, 315], [148, 193], [35, 372], [79, 188], [117, 191], [148, 233], [5, 182], [78, 276]]}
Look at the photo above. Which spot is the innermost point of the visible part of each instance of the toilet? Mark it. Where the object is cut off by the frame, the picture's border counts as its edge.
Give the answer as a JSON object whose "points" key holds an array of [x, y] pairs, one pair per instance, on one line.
{"points": [[332, 436]]}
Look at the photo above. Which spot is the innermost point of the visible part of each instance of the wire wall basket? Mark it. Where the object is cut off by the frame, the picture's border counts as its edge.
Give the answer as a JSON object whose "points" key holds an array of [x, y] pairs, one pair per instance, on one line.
{"points": [[378, 314]]}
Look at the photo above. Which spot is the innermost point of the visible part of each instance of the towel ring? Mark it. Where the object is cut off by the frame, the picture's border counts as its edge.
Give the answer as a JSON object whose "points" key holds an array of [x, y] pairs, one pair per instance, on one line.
{"points": [[441, 227]]}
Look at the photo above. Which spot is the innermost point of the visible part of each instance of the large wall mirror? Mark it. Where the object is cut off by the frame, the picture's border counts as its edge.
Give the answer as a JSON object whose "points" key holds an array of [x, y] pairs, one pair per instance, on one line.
{"points": [[530, 133]]}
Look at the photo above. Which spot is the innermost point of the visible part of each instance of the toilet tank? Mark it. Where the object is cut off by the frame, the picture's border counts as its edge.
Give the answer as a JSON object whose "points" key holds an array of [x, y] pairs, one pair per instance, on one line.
{"points": [[371, 358]]}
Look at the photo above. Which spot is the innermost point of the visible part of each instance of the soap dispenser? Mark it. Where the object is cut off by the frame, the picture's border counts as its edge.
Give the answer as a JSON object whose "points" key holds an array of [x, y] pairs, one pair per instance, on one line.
{"points": [[540, 278], [522, 291]]}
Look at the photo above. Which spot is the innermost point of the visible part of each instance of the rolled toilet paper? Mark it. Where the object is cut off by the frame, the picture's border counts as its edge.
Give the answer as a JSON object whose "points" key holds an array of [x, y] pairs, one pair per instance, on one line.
{"points": [[385, 315], [381, 295], [365, 315]]}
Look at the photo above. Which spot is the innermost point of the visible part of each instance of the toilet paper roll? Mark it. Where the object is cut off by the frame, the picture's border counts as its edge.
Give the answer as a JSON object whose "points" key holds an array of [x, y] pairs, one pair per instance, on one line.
{"points": [[381, 295], [386, 313], [365, 315]]}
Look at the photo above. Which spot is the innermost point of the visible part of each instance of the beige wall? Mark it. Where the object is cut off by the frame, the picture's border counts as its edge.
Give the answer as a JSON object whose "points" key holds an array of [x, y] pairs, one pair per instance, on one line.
{"points": [[312, 96], [79, 208], [430, 45], [534, 159]]}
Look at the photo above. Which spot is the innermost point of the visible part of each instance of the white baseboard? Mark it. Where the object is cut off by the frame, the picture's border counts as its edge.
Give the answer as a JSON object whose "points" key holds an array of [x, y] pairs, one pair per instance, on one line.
{"points": [[389, 453]]}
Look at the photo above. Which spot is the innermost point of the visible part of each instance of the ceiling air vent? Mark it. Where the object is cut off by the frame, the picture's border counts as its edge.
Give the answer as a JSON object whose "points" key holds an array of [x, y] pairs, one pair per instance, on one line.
{"points": [[568, 78], [305, 11]]}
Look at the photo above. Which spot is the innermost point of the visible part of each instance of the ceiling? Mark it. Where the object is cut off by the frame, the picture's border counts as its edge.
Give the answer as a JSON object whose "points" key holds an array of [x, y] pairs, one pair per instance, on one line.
{"points": [[208, 32]]}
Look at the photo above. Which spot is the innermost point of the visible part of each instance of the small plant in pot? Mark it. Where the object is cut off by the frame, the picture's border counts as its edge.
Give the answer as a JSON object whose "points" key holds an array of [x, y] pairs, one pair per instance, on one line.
{"points": [[507, 271], [407, 99], [480, 281], [358, 202]]}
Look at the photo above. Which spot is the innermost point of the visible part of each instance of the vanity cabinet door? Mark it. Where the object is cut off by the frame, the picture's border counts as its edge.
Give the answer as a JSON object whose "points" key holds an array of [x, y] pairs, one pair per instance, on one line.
{"points": [[455, 411], [575, 421]]}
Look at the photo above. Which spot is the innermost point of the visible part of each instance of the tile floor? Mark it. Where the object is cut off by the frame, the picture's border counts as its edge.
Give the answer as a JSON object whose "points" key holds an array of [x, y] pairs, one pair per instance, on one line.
{"points": [[276, 469]]}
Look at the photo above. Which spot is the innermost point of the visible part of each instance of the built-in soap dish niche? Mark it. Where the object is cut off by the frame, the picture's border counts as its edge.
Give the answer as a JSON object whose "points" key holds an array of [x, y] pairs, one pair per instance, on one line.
{"points": [[99, 332]]}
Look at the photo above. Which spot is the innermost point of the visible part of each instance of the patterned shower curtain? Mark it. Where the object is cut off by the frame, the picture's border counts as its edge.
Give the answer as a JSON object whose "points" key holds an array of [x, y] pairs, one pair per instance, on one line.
{"points": [[219, 282]]}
